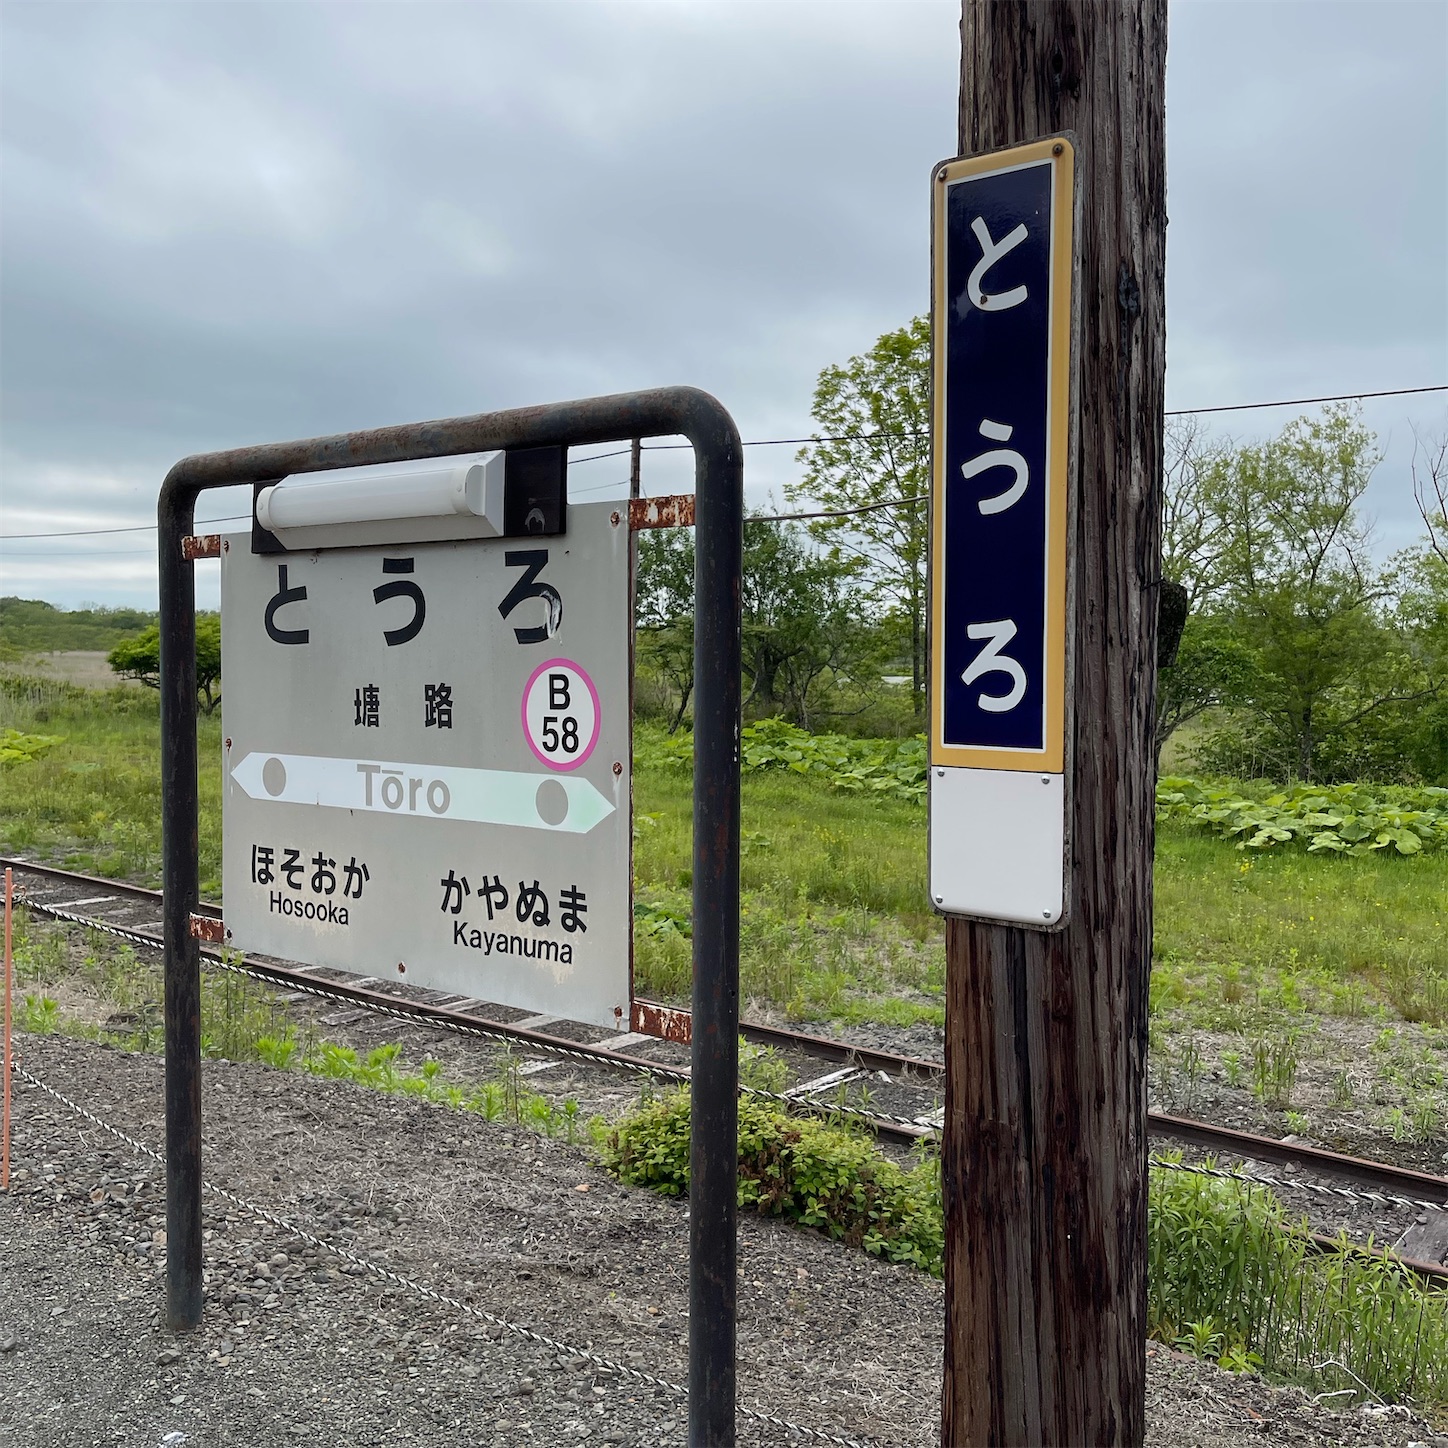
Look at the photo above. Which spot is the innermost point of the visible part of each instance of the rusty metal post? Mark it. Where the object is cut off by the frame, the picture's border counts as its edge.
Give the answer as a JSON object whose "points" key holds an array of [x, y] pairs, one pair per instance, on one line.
{"points": [[714, 1077], [719, 491], [181, 887], [5, 1109]]}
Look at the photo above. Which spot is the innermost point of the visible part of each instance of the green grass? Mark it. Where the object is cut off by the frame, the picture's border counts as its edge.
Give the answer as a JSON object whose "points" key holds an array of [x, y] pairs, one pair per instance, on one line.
{"points": [[834, 917], [92, 801], [835, 920], [1295, 932], [1232, 1275]]}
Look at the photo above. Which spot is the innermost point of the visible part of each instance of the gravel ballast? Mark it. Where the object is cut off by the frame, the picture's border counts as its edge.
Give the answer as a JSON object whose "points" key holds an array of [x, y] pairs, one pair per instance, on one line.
{"points": [[299, 1344]]}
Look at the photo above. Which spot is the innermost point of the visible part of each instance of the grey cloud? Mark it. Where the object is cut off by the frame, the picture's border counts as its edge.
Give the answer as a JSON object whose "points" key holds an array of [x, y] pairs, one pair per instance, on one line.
{"points": [[226, 223]]}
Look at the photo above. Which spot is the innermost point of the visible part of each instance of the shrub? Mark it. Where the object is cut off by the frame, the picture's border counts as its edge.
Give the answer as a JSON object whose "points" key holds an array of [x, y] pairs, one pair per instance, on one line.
{"points": [[895, 767], [807, 1170], [1341, 819], [18, 748], [1230, 1274]]}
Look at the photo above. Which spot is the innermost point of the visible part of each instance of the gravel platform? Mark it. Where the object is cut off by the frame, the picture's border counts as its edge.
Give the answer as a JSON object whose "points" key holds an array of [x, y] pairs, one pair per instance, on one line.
{"points": [[298, 1344]]}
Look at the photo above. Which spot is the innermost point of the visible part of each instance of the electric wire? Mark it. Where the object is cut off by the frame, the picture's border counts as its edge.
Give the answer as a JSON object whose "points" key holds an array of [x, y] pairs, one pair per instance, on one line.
{"points": [[131, 528], [797, 441], [1175, 412]]}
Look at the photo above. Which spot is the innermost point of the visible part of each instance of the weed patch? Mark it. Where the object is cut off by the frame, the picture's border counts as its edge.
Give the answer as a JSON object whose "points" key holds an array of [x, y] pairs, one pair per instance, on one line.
{"points": [[809, 1171], [507, 1098], [893, 767], [110, 994], [1231, 1275], [18, 748], [1340, 819]]}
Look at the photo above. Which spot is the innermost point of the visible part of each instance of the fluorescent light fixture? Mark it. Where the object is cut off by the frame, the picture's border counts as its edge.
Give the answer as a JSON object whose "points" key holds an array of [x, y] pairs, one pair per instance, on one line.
{"points": [[428, 500]]}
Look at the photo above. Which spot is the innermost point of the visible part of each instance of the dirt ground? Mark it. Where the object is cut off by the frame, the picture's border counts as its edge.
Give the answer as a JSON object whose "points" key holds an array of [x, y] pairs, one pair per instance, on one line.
{"points": [[300, 1343]]}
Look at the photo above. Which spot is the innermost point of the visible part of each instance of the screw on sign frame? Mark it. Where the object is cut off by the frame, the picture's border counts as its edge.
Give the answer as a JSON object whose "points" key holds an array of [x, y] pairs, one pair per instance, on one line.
{"points": [[719, 505]]}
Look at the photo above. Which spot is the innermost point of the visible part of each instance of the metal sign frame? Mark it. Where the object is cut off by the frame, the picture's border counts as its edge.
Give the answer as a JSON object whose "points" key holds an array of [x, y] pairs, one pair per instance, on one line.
{"points": [[1000, 805], [430, 797], [719, 508]]}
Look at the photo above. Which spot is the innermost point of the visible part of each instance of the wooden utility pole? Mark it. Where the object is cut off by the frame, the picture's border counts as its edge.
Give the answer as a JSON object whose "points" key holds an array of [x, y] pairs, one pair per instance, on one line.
{"points": [[1045, 1146]]}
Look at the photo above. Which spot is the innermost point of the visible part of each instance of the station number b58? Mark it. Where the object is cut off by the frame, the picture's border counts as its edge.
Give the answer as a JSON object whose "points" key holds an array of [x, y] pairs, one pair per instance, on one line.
{"points": [[561, 714]]}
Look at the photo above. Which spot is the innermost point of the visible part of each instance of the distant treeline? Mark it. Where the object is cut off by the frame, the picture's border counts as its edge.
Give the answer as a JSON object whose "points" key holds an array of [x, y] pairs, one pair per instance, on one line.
{"points": [[1305, 654], [29, 626]]}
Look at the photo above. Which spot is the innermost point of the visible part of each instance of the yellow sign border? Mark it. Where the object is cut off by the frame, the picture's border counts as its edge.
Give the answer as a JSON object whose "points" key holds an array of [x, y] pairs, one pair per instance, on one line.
{"points": [[1061, 154]]}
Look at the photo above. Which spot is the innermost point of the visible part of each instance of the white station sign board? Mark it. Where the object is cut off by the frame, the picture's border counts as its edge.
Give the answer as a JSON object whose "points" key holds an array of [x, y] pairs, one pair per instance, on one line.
{"points": [[1003, 308], [427, 763]]}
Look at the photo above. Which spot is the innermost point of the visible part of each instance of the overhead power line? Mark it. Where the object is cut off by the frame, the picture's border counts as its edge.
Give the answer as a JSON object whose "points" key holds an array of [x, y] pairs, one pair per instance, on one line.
{"points": [[801, 442], [1307, 401], [83, 553], [1175, 412], [133, 528]]}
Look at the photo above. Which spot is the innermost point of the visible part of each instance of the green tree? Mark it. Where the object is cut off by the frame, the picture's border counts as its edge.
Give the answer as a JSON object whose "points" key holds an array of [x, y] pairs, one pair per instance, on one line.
{"points": [[801, 625], [1194, 537], [140, 659], [1430, 491], [1213, 665], [873, 452], [1300, 588], [1423, 609], [664, 613], [798, 620]]}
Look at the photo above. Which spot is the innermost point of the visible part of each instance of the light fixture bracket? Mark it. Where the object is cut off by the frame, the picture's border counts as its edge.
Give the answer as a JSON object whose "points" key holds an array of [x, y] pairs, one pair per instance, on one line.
{"points": [[506, 493]]}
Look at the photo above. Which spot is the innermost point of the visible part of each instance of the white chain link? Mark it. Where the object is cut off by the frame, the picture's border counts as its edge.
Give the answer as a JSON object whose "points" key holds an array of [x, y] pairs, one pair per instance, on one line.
{"points": [[431, 1293], [655, 1070], [1266, 1179]]}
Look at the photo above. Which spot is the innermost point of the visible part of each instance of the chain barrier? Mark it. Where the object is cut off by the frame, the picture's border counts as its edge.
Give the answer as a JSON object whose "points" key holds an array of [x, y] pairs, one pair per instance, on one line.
{"points": [[639, 1375], [1266, 1179], [421, 1289], [654, 1070]]}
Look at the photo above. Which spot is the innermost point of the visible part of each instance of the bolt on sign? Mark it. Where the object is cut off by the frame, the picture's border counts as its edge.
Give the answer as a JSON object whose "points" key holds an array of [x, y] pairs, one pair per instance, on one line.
{"points": [[1003, 313], [427, 762]]}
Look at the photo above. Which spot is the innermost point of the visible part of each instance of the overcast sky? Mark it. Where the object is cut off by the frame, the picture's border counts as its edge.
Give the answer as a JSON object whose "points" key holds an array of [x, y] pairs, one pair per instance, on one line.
{"points": [[233, 223]]}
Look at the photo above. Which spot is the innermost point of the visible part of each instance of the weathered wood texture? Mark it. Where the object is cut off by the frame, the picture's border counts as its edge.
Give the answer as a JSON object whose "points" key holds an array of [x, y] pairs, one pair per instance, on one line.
{"points": [[1045, 1150]]}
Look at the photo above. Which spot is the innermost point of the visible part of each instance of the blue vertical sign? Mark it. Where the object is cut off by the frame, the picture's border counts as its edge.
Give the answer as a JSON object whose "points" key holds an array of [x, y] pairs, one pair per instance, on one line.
{"points": [[1003, 315]]}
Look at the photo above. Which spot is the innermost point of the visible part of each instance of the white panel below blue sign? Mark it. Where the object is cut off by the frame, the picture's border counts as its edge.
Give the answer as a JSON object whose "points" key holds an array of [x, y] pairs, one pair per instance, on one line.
{"points": [[998, 844]]}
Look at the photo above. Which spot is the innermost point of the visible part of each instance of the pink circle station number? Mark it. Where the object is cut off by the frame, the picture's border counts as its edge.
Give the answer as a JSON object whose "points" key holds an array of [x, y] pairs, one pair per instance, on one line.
{"points": [[561, 714]]}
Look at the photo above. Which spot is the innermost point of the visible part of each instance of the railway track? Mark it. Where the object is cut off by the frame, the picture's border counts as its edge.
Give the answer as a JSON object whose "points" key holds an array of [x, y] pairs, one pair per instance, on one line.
{"points": [[897, 1096]]}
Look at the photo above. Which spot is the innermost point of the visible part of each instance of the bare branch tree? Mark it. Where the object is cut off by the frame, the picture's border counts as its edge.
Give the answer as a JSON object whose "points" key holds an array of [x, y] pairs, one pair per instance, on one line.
{"points": [[1430, 488], [1194, 537]]}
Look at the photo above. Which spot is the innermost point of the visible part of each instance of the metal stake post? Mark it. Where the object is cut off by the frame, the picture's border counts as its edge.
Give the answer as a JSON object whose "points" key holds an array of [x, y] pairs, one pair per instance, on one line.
{"points": [[5, 1110], [181, 887], [719, 490], [714, 1079]]}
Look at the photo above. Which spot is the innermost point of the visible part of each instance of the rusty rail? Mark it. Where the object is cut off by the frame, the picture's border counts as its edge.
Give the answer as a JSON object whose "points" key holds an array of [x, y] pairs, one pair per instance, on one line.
{"points": [[673, 1024]]}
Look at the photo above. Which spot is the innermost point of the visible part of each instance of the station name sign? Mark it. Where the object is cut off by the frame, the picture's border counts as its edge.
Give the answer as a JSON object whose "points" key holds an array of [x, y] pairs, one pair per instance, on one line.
{"points": [[1003, 312], [427, 762]]}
